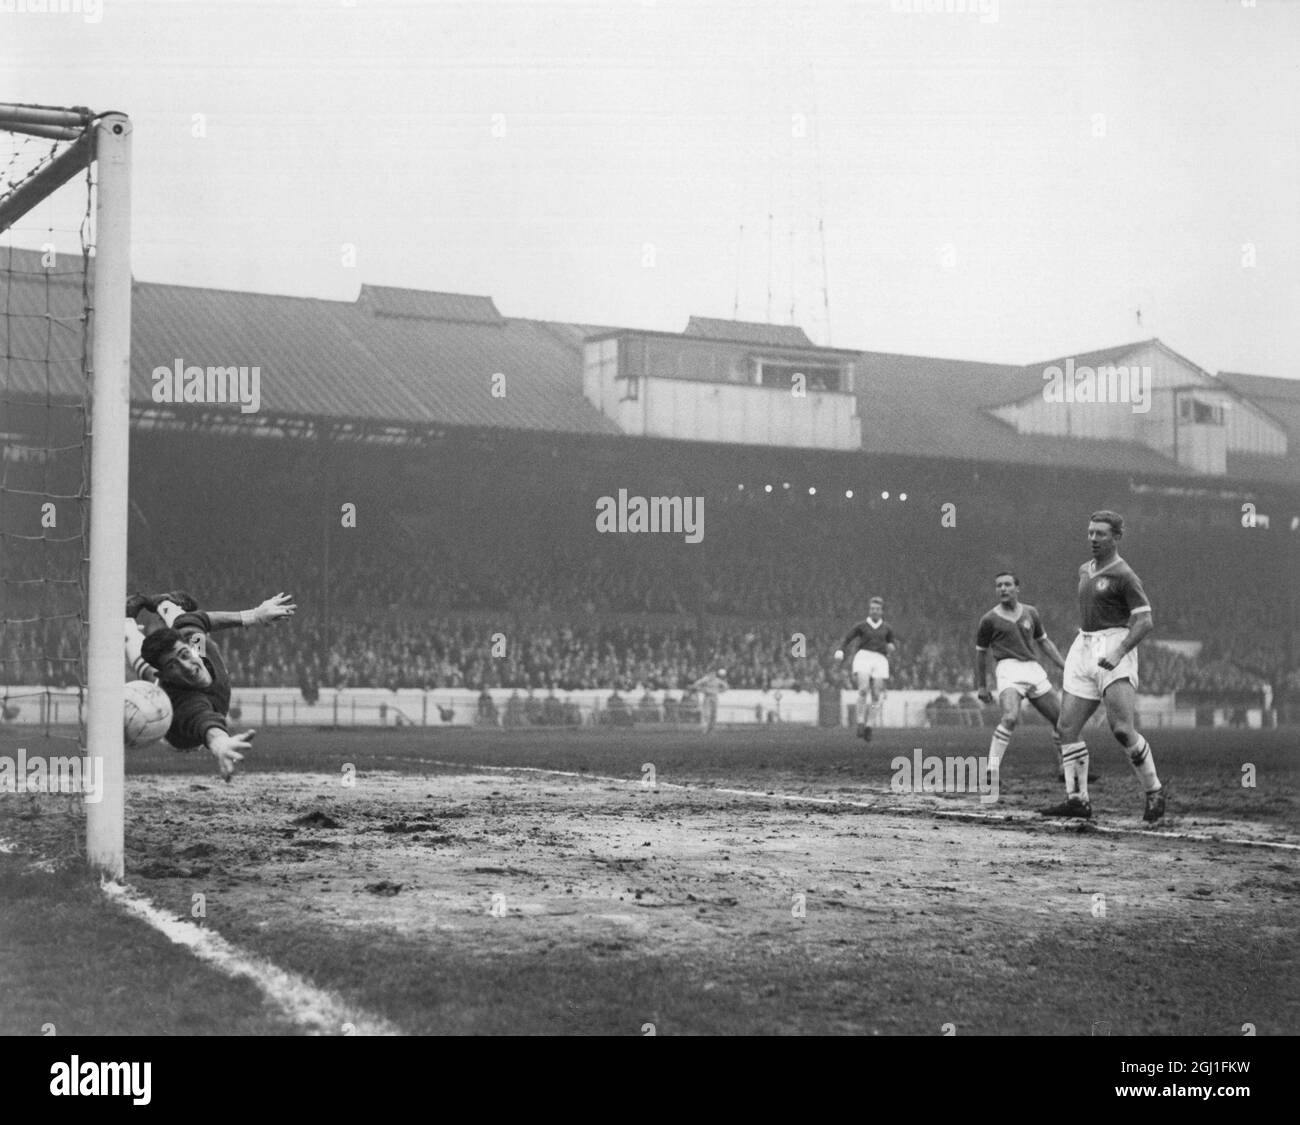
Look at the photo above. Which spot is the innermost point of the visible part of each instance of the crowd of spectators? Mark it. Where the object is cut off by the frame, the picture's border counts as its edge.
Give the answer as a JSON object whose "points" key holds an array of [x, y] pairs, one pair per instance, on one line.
{"points": [[506, 583]]}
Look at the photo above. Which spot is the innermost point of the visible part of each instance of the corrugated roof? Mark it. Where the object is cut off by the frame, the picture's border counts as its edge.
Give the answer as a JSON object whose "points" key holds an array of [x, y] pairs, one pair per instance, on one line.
{"points": [[451, 369], [1262, 386], [1280, 400], [748, 332], [1259, 467], [1102, 357], [345, 360], [420, 304], [315, 357], [1031, 374], [573, 335], [923, 406], [325, 359]]}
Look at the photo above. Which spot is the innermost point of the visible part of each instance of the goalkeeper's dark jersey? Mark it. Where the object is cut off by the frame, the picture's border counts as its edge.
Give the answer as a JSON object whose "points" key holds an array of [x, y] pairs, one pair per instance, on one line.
{"points": [[195, 711]]}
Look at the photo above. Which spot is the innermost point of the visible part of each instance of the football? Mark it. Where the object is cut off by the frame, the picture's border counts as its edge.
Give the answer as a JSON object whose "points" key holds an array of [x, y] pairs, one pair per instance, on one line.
{"points": [[147, 713]]}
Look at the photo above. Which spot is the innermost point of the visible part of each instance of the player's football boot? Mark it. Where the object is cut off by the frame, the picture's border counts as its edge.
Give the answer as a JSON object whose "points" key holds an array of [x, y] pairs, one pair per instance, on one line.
{"points": [[866, 734], [1071, 806], [1155, 806], [135, 603]]}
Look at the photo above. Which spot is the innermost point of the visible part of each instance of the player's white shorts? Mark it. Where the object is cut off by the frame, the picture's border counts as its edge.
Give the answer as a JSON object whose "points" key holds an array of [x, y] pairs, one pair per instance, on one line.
{"points": [[1084, 677], [1024, 676], [869, 665]]}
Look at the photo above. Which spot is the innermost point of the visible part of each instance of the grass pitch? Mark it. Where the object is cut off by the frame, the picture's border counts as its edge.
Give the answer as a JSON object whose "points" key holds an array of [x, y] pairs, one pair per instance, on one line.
{"points": [[771, 882]]}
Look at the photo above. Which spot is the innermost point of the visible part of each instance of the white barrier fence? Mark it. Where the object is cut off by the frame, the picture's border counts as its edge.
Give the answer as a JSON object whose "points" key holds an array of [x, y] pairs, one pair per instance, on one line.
{"points": [[461, 707]]}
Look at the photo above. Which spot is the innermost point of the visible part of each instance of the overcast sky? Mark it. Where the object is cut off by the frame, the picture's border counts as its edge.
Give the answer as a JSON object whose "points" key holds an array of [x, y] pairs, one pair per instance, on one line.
{"points": [[1010, 184]]}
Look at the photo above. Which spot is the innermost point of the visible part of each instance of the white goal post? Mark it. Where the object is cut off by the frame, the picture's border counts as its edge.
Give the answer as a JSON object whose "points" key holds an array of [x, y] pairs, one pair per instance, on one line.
{"points": [[104, 141]]}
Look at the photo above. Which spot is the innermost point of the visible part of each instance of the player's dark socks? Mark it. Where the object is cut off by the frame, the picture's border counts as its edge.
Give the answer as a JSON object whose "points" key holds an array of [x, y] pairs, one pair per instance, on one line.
{"points": [[135, 603]]}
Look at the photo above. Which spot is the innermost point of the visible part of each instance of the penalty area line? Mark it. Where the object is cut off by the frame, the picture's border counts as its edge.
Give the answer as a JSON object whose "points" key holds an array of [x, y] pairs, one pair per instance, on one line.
{"points": [[1010, 820], [313, 1009]]}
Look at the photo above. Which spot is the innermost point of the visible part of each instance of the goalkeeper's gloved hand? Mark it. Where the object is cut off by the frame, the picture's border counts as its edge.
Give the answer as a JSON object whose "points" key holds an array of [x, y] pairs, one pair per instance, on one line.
{"points": [[270, 611]]}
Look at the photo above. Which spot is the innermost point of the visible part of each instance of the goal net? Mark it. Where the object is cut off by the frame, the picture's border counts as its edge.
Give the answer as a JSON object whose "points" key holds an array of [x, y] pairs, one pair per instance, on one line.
{"points": [[65, 298]]}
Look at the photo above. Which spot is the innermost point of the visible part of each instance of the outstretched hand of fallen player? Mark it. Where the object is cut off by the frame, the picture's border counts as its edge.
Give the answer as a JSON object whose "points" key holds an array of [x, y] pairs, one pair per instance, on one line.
{"points": [[226, 749], [271, 610]]}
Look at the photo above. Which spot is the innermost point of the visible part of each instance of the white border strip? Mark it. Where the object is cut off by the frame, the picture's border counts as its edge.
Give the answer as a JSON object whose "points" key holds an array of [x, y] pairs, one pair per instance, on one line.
{"points": [[1009, 819]]}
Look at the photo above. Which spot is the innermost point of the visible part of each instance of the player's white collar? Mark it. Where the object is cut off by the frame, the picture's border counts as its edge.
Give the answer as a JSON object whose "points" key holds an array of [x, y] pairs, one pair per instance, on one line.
{"points": [[1020, 611], [1093, 569], [877, 623]]}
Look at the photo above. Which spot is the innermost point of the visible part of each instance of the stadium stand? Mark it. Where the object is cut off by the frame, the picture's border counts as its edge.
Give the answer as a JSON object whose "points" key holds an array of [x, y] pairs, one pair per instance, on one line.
{"points": [[475, 512]]}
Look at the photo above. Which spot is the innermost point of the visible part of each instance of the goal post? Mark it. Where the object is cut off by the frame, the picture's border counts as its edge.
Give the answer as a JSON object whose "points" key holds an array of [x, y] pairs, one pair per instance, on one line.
{"points": [[100, 143], [109, 478]]}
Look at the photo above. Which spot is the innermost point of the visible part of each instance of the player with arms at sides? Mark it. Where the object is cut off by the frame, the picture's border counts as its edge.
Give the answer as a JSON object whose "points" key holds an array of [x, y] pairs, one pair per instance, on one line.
{"points": [[1102, 666], [875, 643], [190, 669], [710, 686], [1009, 633]]}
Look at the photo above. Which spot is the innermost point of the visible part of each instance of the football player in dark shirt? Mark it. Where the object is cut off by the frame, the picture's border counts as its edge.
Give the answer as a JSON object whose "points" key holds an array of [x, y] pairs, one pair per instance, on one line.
{"points": [[1102, 666], [190, 670], [1010, 632], [875, 641]]}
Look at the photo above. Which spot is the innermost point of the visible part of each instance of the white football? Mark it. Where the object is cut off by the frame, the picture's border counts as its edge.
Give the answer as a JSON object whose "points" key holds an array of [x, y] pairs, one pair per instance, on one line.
{"points": [[148, 713]]}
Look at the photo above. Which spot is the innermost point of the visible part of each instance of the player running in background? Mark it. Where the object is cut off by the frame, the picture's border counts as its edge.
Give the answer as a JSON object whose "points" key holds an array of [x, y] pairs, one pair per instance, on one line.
{"points": [[190, 670], [1102, 665], [710, 686], [875, 643], [1009, 633]]}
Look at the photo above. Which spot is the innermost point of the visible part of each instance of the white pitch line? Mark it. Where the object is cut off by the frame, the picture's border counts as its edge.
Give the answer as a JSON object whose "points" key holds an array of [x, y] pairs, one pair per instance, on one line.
{"points": [[1195, 837], [315, 1010], [954, 814]]}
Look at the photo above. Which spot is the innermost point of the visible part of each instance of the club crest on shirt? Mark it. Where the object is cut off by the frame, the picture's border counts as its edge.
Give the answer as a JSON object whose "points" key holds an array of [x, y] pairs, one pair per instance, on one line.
{"points": [[1103, 584]]}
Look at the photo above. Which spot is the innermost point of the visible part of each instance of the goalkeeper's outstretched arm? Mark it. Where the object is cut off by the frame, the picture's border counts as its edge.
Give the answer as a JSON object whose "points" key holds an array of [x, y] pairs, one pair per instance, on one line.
{"points": [[268, 613]]}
